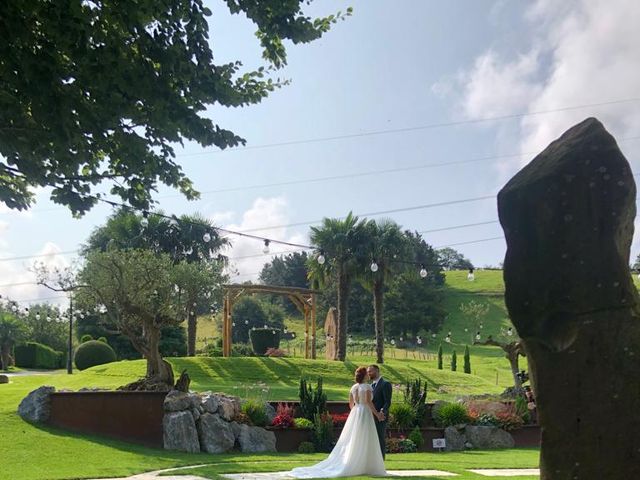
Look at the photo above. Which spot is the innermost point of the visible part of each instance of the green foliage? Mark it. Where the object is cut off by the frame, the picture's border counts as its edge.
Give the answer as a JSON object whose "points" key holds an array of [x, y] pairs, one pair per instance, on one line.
{"points": [[249, 312], [400, 445], [451, 414], [141, 82], [36, 355], [262, 339], [440, 357], [286, 270], [11, 332], [312, 401], [92, 353], [86, 338], [256, 412], [453, 260], [454, 361], [306, 447], [302, 423], [103, 340], [416, 437], [44, 324], [402, 415], [476, 311], [323, 432], [415, 394], [521, 409], [467, 360], [237, 350]]}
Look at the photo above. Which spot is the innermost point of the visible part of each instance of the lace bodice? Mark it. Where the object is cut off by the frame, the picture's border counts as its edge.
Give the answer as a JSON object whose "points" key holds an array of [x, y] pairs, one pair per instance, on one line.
{"points": [[359, 392]]}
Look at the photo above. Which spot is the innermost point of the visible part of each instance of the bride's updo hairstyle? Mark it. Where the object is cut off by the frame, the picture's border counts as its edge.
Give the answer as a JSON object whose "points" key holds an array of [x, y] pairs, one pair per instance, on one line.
{"points": [[361, 372]]}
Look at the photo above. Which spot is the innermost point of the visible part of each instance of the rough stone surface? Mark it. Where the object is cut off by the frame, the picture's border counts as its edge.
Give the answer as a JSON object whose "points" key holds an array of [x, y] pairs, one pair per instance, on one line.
{"points": [[568, 221], [180, 432], [270, 411], [36, 407], [209, 403], [255, 439], [454, 439], [216, 435], [4, 379], [196, 415], [228, 407], [484, 438], [177, 401]]}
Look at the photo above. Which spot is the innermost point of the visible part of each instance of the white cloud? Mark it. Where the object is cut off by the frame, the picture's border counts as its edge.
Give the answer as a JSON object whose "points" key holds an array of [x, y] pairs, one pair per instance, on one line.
{"points": [[219, 218], [264, 213]]}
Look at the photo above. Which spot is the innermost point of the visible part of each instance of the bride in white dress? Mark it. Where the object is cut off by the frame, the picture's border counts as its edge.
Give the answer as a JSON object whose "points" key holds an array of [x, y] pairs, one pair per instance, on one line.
{"points": [[357, 451]]}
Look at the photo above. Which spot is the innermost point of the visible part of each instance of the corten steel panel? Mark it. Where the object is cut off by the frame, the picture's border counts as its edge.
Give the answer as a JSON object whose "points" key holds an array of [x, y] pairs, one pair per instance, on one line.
{"points": [[131, 416]]}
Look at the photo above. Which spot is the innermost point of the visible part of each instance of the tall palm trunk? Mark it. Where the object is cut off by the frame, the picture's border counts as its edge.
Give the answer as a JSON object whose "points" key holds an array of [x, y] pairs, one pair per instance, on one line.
{"points": [[344, 289], [192, 327], [378, 308]]}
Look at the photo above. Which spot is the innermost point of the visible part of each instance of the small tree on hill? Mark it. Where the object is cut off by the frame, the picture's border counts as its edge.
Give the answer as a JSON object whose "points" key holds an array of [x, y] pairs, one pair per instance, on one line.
{"points": [[513, 351], [467, 360], [440, 357], [454, 361]]}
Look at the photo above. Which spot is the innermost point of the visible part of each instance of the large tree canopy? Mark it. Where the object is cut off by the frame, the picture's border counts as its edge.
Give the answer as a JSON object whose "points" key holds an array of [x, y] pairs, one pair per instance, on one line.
{"points": [[100, 90]]}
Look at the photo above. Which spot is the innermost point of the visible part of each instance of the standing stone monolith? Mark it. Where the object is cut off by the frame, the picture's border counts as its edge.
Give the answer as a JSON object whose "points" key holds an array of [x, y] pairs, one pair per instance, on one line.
{"points": [[568, 221]]}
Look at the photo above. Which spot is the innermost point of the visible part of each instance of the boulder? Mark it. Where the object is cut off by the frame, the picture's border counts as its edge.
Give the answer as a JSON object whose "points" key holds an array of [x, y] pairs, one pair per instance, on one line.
{"points": [[455, 440], [255, 439], [216, 435], [177, 401], [36, 407], [568, 218], [486, 438], [209, 403], [196, 414], [180, 432], [270, 411], [4, 379], [228, 407]]}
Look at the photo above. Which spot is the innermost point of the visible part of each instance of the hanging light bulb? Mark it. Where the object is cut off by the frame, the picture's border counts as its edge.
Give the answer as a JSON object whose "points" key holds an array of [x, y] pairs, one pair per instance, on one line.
{"points": [[470, 276], [144, 221], [433, 335], [419, 341], [447, 339], [393, 342], [273, 332], [246, 322], [38, 316], [510, 331], [285, 331], [423, 271], [320, 258], [188, 251], [48, 318], [206, 237], [173, 223], [233, 324], [478, 336], [265, 250], [14, 308], [265, 326], [374, 266], [293, 335]]}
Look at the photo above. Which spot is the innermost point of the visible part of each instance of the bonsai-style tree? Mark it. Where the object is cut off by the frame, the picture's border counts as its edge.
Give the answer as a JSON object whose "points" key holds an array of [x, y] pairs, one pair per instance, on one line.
{"points": [[513, 350]]}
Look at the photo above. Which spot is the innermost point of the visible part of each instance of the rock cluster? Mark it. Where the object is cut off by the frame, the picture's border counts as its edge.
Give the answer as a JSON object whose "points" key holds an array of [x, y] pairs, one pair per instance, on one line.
{"points": [[4, 379], [476, 437], [205, 422], [36, 407]]}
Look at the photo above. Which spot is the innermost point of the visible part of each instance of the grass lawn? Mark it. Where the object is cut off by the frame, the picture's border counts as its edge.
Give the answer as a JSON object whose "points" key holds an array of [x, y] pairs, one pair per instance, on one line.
{"points": [[455, 462]]}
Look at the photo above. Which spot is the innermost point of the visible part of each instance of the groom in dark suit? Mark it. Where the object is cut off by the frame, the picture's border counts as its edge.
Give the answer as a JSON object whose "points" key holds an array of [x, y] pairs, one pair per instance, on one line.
{"points": [[382, 391]]}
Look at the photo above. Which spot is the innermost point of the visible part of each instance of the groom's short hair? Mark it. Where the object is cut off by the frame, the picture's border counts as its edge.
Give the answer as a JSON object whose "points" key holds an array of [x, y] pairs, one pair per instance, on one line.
{"points": [[374, 366]]}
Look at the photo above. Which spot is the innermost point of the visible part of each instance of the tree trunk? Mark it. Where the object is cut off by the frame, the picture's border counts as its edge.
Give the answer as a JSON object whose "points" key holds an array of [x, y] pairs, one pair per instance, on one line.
{"points": [[378, 308], [157, 369], [192, 328], [344, 287], [5, 356], [512, 356]]}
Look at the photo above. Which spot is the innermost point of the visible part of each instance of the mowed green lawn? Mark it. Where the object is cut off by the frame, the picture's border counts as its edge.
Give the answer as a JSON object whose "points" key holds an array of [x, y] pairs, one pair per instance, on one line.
{"points": [[44, 453]]}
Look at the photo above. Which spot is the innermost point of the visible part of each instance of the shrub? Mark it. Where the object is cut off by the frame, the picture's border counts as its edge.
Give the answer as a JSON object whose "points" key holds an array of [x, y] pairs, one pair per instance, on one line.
{"points": [[312, 402], [400, 445], [416, 437], [103, 340], [486, 420], [440, 357], [302, 423], [306, 447], [521, 409], [256, 412], [86, 338], [284, 416], [402, 416], [92, 353], [264, 338], [339, 419], [509, 420], [275, 352], [454, 361], [467, 360], [415, 394], [37, 355], [323, 432], [451, 414]]}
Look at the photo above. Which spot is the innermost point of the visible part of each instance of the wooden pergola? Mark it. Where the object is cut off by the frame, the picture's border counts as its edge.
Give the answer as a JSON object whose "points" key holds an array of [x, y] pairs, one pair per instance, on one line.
{"points": [[303, 298]]}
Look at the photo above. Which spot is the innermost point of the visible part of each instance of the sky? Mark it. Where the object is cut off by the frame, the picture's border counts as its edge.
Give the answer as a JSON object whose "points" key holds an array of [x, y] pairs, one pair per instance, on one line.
{"points": [[412, 103]]}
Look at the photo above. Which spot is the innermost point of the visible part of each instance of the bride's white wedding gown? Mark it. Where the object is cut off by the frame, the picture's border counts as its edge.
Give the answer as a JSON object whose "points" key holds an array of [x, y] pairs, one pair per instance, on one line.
{"points": [[357, 451]]}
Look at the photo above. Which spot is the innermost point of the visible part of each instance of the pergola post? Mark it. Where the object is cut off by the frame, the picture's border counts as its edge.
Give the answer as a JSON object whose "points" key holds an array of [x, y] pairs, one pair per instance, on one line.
{"points": [[313, 325], [306, 331]]}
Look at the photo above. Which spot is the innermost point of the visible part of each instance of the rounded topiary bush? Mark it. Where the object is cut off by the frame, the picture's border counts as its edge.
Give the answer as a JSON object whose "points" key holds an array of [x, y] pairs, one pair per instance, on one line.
{"points": [[86, 338], [92, 353], [103, 340], [262, 339], [306, 447]]}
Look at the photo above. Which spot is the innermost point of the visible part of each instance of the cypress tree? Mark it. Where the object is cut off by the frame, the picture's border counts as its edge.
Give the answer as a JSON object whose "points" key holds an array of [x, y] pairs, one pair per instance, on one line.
{"points": [[454, 361], [440, 357], [467, 360]]}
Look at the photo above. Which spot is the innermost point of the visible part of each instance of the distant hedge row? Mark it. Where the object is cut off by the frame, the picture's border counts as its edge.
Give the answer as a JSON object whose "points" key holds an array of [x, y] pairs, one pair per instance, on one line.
{"points": [[36, 355]]}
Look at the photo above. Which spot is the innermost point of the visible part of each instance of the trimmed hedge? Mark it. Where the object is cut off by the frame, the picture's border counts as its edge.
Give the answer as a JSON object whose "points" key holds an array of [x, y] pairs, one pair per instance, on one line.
{"points": [[37, 355], [262, 339], [92, 353]]}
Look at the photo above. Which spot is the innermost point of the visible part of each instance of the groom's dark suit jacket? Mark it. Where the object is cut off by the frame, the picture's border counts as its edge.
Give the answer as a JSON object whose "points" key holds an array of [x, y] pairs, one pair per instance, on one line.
{"points": [[382, 396]]}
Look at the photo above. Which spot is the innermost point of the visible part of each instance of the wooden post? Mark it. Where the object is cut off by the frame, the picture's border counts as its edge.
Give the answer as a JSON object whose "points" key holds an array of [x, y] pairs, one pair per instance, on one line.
{"points": [[306, 332], [313, 325], [225, 319]]}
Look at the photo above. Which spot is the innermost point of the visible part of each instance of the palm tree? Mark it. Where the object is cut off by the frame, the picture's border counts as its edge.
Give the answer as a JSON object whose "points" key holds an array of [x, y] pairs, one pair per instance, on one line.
{"points": [[11, 331], [388, 248], [341, 244]]}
